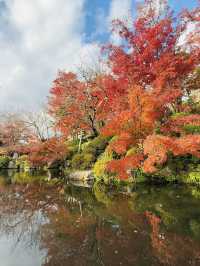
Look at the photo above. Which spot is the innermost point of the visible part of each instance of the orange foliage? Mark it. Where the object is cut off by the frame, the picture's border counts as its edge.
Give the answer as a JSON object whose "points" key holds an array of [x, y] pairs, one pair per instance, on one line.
{"points": [[122, 167], [177, 124], [156, 148], [78, 105], [42, 153], [158, 70], [150, 78]]}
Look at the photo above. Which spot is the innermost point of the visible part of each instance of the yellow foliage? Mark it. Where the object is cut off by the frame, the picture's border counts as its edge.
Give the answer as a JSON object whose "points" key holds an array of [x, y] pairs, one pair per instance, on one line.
{"points": [[99, 169]]}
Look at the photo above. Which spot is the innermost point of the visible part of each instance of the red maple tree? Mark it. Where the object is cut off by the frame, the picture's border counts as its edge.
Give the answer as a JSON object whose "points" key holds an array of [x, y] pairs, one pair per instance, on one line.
{"points": [[152, 69]]}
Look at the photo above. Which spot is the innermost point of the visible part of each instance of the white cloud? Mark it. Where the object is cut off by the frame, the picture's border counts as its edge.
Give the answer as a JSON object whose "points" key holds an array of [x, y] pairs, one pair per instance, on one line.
{"points": [[37, 37], [120, 10], [183, 40], [157, 5]]}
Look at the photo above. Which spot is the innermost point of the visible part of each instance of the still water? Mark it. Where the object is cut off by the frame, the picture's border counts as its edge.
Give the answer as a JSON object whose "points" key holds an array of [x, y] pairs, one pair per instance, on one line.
{"points": [[89, 226]]}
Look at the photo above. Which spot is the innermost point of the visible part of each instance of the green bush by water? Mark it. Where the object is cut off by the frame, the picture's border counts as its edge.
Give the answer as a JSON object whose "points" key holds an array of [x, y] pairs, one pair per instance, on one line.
{"points": [[91, 150], [4, 161], [83, 161], [23, 164], [99, 169], [96, 146]]}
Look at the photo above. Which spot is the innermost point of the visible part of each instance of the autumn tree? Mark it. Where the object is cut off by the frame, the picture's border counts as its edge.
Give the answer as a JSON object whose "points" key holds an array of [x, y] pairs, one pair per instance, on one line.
{"points": [[152, 70], [46, 153], [13, 131], [80, 104], [41, 124]]}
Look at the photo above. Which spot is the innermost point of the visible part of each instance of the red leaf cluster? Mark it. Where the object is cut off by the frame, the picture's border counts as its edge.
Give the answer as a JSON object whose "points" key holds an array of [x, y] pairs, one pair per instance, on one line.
{"points": [[42, 153]]}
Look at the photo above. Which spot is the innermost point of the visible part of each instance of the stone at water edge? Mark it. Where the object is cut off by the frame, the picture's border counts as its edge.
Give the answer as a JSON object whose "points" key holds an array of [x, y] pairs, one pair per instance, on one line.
{"points": [[81, 175]]}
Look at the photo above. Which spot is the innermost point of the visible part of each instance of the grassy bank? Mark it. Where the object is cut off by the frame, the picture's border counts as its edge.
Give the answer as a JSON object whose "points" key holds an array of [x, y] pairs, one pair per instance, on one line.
{"points": [[94, 155]]}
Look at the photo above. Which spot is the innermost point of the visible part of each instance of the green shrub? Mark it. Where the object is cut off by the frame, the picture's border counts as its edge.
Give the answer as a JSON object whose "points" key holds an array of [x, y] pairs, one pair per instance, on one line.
{"points": [[77, 161], [88, 160], [185, 163], [82, 161], [138, 176], [4, 161], [23, 163], [192, 129], [96, 146], [90, 151], [180, 114], [192, 178], [56, 164], [195, 192], [99, 169], [72, 149]]}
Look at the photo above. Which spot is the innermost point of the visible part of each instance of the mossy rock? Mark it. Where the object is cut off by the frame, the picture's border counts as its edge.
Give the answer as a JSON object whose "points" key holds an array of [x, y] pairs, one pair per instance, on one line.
{"points": [[96, 146], [83, 161], [72, 149], [81, 175]]}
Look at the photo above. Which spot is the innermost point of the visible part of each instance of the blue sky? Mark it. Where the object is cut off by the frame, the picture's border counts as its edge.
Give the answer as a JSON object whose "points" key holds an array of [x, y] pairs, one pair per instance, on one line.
{"points": [[38, 37], [178, 5], [102, 7]]}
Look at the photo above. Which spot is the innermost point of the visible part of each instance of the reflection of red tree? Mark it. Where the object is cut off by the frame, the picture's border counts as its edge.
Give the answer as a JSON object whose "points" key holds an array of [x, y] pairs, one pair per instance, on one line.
{"points": [[158, 243], [172, 249]]}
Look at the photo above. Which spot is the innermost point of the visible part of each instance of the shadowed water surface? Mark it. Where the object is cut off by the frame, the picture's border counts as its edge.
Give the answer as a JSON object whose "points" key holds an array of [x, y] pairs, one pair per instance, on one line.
{"points": [[88, 226]]}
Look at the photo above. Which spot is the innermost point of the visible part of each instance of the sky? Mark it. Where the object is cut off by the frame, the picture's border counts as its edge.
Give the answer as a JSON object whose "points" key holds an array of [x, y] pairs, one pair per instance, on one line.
{"points": [[40, 37]]}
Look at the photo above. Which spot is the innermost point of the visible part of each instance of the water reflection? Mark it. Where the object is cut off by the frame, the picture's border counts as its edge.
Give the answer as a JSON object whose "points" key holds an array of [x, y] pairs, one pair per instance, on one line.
{"points": [[89, 225], [20, 231]]}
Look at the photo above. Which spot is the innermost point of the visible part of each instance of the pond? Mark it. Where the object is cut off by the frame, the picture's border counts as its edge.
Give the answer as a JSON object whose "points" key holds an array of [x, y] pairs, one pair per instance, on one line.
{"points": [[87, 225]]}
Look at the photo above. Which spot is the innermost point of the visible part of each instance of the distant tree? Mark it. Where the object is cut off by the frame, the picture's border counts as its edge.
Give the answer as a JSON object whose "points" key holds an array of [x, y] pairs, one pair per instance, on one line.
{"points": [[13, 131], [41, 124], [45, 153]]}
